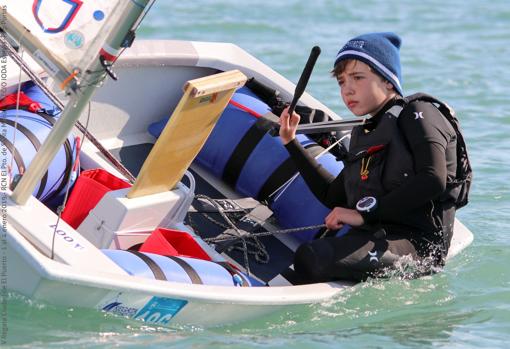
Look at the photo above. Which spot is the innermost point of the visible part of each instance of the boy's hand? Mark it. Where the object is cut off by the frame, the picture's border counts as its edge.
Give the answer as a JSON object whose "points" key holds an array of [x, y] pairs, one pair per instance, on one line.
{"points": [[340, 216], [288, 125]]}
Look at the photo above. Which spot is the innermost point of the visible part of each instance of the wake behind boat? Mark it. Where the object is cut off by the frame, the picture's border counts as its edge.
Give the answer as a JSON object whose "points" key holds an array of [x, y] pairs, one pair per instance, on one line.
{"points": [[158, 249]]}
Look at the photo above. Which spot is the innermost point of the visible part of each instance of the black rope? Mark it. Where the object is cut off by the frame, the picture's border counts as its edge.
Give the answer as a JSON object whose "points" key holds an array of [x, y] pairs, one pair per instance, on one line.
{"points": [[266, 233], [250, 243]]}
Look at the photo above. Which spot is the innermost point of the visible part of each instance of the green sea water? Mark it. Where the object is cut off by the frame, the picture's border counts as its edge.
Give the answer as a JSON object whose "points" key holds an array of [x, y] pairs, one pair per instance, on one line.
{"points": [[456, 50]]}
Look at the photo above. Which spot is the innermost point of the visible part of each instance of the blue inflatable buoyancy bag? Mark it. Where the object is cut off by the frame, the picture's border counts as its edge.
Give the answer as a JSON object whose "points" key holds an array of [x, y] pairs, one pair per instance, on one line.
{"points": [[173, 268], [22, 135], [242, 153], [229, 131]]}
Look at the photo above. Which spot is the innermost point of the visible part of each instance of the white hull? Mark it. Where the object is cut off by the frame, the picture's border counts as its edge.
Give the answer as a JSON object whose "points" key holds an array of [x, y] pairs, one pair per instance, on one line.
{"points": [[36, 276], [151, 76]]}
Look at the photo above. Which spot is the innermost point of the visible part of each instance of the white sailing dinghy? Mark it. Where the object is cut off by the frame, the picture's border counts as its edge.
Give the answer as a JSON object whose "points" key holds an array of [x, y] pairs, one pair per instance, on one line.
{"points": [[133, 252]]}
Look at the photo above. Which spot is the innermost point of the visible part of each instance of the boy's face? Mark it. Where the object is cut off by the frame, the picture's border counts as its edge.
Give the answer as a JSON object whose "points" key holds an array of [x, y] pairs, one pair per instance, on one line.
{"points": [[363, 91]]}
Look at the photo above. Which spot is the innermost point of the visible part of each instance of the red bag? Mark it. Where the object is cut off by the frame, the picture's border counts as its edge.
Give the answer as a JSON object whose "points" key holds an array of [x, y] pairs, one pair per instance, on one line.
{"points": [[25, 102], [89, 189]]}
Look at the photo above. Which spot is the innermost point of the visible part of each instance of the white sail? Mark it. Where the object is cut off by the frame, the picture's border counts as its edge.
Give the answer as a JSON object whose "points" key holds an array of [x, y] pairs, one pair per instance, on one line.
{"points": [[72, 32], [67, 37]]}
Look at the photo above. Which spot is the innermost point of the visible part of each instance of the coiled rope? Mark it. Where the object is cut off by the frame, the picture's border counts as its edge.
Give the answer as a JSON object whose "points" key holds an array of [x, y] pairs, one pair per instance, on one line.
{"points": [[249, 242]]}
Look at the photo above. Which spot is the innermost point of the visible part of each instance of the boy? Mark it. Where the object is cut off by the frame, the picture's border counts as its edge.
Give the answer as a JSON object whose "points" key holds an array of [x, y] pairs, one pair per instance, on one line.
{"points": [[392, 190]]}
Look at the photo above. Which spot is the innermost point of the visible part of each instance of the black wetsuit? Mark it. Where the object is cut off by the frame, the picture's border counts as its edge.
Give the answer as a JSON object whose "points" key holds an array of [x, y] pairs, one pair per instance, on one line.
{"points": [[416, 220]]}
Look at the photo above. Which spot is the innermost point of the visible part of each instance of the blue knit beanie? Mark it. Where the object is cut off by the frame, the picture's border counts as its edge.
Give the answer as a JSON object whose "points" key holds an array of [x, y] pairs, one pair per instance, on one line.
{"points": [[380, 51]]}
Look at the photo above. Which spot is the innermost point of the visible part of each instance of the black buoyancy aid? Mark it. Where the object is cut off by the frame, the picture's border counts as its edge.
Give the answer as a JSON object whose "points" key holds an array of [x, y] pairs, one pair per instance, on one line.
{"points": [[457, 189], [378, 161]]}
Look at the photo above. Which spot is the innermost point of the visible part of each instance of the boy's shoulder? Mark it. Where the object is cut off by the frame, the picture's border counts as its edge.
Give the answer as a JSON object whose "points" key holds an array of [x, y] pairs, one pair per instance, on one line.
{"points": [[421, 111]]}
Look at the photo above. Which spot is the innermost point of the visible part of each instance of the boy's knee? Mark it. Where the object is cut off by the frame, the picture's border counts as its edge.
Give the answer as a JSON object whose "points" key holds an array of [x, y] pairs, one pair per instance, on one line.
{"points": [[311, 261]]}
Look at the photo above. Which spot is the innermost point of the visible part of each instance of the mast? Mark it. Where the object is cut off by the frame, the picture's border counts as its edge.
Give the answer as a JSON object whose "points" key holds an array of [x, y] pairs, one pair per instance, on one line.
{"points": [[81, 93]]}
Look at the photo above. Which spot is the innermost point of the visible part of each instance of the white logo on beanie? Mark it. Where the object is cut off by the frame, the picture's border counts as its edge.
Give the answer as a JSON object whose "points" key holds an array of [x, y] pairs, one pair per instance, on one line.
{"points": [[355, 44], [380, 51], [378, 64]]}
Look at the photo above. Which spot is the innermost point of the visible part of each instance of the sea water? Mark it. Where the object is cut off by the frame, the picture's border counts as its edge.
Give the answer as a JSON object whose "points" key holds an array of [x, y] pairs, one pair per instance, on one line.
{"points": [[456, 50]]}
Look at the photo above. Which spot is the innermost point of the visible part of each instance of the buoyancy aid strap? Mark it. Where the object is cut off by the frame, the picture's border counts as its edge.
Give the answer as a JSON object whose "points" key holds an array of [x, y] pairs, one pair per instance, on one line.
{"points": [[395, 110], [36, 144], [69, 158], [159, 274], [284, 172], [156, 270], [420, 96], [192, 274], [15, 153], [244, 149], [444, 108]]}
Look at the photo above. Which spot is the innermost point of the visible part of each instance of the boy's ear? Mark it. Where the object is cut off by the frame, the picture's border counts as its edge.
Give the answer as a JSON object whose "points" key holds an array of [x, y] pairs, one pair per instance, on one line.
{"points": [[389, 85]]}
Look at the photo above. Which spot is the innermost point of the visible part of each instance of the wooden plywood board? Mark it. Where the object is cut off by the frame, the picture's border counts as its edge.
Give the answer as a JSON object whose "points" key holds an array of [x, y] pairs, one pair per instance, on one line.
{"points": [[186, 132]]}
